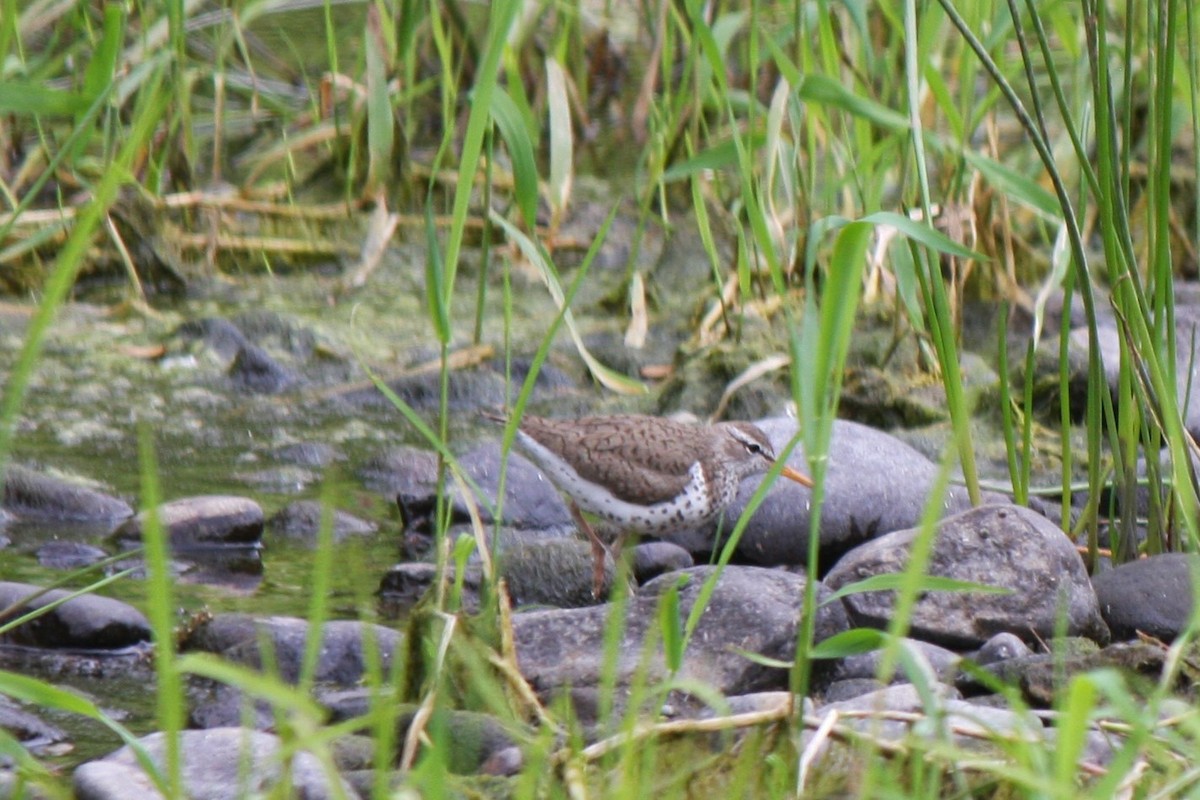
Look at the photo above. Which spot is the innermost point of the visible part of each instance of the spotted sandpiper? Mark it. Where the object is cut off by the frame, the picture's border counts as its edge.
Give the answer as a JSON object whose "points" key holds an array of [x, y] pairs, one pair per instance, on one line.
{"points": [[648, 475]]}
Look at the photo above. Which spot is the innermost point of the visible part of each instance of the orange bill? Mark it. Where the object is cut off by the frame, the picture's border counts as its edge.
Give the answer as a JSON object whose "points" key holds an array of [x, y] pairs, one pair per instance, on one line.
{"points": [[798, 477]]}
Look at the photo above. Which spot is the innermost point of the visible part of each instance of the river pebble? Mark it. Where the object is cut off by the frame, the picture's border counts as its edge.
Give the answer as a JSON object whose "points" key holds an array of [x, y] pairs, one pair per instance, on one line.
{"points": [[1003, 546]]}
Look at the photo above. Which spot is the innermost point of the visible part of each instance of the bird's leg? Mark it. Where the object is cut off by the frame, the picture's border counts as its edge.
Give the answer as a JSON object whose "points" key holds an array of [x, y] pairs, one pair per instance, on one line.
{"points": [[599, 550]]}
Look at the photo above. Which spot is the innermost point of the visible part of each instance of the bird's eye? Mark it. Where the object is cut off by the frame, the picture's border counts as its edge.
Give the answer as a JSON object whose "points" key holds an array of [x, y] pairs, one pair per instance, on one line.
{"points": [[754, 448]]}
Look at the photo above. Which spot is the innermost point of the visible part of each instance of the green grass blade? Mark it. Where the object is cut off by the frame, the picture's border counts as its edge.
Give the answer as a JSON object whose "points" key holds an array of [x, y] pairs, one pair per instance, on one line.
{"points": [[520, 151]]}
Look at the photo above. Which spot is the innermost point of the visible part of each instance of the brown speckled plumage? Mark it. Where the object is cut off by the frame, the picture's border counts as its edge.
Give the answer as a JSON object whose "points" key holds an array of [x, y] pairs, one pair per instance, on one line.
{"points": [[647, 474], [648, 461]]}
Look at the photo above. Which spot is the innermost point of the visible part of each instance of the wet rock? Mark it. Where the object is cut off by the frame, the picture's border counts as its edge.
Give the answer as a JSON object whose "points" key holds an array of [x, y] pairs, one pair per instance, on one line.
{"points": [[468, 390], [848, 689], [220, 336], [218, 705], [238, 636], [472, 739], [216, 764], [1108, 339], [1151, 595], [530, 501], [404, 584], [555, 572], [254, 371], [300, 522], [36, 495], [751, 608], [651, 559], [35, 734], [998, 545], [875, 484], [552, 572], [86, 622], [277, 332], [281, 479], [932, 662], [309, 454], [1042, 677], [408, 473], [1002, 647], [66, 555], [203, 521], [473, 742], [895, 713]]}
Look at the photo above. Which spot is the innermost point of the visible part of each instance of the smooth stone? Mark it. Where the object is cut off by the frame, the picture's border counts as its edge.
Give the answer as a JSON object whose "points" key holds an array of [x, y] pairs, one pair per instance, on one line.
{"points": [[34, 733], [530, 500], [342, 661], [934, 663], [300, 522], [1002, 647], [216, 764], [1005, 546], [1042, 677], [87, 622], [66, 555], [651, 559], [474, 743], [874, 484], [898, 712], [36, 495], [202, 521], [751, 608], [468, 390], [1108, 337], [255, 371], [278, 479], [309, 454], [849, 688], [1152, 595], [220, 336], [407, 473], [548, 572]]}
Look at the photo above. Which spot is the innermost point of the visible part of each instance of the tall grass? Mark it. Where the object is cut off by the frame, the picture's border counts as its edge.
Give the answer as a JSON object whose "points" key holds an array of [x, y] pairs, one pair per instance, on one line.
{"points": [[798, 132]]}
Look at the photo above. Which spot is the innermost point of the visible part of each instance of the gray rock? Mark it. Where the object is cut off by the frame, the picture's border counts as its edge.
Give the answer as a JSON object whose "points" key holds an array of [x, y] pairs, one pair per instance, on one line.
{"points": [[553, 572], [1151, 596], [1002, 647], [36, 495], [202, 521], [875, 484], [898, 712], [934, 663], [468, 390], [86, 622], [255, 371], [848, 689], [64, 555], [34, 733], [237, 637], [530, 501], [1042, 677], [651, 559], [216, 764], [406, 472], [220, 336], [752, 609], [1001, 545], [309, 454], [300, 522]]}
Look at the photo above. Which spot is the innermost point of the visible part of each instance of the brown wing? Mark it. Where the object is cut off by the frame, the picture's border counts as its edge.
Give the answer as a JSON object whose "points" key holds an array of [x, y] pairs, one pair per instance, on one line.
{"points": [[643, 460]]}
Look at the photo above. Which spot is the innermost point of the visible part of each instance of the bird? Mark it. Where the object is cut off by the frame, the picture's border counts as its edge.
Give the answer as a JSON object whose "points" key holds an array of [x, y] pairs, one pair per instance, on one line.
{"points": [[646, 474]]}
